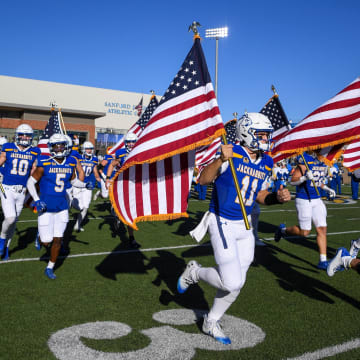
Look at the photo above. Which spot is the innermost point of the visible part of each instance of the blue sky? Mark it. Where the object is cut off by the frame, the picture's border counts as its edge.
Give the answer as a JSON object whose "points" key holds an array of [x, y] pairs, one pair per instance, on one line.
{"points": [[308, 49]]}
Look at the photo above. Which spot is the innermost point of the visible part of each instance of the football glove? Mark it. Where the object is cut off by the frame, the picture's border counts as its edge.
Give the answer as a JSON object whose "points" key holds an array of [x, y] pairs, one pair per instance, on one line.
{"points": [[40, 206], [309, 175], [331, 192], [89, 185]]}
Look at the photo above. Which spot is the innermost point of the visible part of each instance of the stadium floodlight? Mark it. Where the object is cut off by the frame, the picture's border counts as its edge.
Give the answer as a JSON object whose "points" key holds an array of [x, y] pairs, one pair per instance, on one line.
{"points": [[216, 34]]}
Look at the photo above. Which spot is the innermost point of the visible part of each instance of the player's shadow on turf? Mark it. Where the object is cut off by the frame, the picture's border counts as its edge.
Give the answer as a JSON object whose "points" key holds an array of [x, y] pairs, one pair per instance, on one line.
{"points": [[104, 206], [169, 268], [117, 228], [266, 227], [25, 237], [122, 260], [291, 280], [187, 224]]}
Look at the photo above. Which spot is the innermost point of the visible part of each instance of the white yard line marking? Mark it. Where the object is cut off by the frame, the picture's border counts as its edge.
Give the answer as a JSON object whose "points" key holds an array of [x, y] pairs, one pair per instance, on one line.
{"points": [[329, 351], [156, 249]]}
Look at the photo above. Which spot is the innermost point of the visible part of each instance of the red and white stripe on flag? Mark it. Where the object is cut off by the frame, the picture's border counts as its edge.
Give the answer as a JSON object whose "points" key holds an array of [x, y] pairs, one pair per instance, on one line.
{"points": [[156, 191], [177, 125], [352, 156], [43, 146], [205, 155], [335, 122]]}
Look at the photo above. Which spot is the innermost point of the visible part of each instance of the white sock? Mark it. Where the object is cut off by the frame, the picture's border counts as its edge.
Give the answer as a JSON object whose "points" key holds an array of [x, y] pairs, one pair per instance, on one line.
{"points": [[50, 265], [323, 257], [222, 301]]}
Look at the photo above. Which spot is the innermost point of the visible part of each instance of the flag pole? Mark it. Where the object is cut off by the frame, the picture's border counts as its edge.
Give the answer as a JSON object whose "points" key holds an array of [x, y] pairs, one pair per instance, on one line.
{"points": [[308, 169], [62, 121], [193, 27]]}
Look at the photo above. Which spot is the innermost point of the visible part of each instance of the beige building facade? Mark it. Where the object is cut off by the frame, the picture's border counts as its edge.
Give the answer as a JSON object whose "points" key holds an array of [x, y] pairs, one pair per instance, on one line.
{"points": [[86, 111]]}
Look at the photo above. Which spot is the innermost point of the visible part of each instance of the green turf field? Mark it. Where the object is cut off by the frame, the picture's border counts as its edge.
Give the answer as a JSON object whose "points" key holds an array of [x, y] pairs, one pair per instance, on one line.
{"points": [[111, 302]]}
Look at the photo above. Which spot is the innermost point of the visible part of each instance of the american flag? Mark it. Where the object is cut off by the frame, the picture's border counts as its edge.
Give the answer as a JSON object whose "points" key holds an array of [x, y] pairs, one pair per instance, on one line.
{"points": [[139, 126], [335, 122], [274, 111], [230, 128], [155, 180], [52, 127], [139, 107]]}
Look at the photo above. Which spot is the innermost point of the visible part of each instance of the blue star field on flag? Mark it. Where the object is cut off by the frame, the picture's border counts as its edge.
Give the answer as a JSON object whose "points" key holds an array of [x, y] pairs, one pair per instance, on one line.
{"points": [[52, 127], [144, 119], [274, 111], [230, 128], [192, 74]]}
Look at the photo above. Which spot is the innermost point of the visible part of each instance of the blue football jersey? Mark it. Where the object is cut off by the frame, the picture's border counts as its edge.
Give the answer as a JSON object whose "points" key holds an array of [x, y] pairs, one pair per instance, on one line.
{"points": [[109, 159], [18, 164], [251, 177], [54, 182], [306, 190], [88, 165]]}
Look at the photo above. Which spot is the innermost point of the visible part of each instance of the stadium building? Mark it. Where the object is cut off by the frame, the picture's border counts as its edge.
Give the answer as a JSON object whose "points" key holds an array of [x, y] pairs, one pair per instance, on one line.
{"points": [[101, 116]]}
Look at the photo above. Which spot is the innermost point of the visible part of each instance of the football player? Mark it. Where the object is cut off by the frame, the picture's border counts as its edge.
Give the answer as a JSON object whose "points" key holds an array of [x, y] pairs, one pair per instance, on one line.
{"points": [[102, 168], [19, 159], [82, 196], [115, 165], [309, 206], [233, 245], [55, 173]]}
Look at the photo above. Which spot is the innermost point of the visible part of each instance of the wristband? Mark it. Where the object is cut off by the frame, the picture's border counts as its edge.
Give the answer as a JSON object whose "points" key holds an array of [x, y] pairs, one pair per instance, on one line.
{"points": [[271, 199]]}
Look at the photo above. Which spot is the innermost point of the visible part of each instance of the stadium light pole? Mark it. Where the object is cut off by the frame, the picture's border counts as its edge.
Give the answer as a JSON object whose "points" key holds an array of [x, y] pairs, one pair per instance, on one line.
{"points": [[216, 34]]}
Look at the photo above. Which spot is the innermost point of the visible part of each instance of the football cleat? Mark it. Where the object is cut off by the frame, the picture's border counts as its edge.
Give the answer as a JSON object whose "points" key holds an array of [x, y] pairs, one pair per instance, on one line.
{"points": [[279, 232], [50, 273], [2, 246], [37, 242], [6, 254], [213, 328], [337, 264], [354, 249], [188, 277], [322, 265]]}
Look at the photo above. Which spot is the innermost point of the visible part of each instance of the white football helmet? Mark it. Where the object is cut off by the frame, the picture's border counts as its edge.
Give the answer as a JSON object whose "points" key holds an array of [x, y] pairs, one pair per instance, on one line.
{"points": [[70, 144], [24, 135], [3, 141], [130, 140], [88, 148], [248, 126], [58, 146]]}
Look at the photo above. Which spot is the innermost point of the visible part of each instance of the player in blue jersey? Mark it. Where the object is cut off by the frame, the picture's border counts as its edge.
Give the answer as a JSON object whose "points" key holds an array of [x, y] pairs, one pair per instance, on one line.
{"points": [[82, 197], [19, 159], [309, 206], [115, 165], [3, 141], [233, 245], [102, 168], [54, 174], [281, 175]]}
